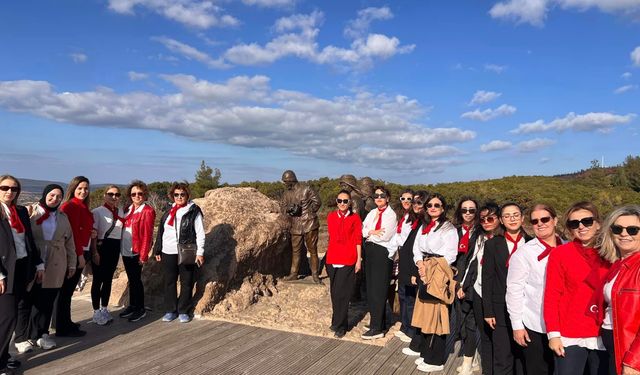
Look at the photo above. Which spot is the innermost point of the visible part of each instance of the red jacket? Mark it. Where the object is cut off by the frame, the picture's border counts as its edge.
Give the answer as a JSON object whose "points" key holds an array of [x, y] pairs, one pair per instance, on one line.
{"points": [[141, 224], [344, 235], [568, 294], [81, 220]]}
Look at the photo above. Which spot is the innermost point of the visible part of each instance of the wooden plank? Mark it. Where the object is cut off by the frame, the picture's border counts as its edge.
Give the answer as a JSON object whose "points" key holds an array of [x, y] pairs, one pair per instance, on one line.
{"points": [[298, 345], [393, 360], [311, 357], [360, 360], [381, 357], [336, 359]]}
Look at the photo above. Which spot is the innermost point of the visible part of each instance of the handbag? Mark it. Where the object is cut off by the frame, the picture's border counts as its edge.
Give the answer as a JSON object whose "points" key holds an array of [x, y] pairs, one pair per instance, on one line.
{"points": [[186, 252]]}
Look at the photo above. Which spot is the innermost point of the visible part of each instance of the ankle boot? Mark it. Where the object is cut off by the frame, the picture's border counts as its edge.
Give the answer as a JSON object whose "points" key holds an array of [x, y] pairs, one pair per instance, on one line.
{"points": [[465, 368]]}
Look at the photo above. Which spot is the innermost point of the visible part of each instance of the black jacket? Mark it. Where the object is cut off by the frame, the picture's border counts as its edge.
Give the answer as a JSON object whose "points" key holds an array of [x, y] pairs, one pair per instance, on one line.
{"points": [[463, 259], [406, 265], [187, 233]]}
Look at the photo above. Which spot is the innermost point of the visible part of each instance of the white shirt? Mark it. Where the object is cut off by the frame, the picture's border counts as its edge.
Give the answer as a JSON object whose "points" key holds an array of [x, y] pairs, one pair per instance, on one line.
{"points": [[169, 237], [48, 229], [102, 219], [18, 238], [389, 223], [405, 229], [525, 286], [478, 252], [607, 323], [126, 246], [443, 241]]}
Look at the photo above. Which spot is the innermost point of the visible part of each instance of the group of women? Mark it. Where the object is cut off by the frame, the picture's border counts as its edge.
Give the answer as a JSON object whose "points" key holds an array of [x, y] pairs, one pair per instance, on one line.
{"points": [[528, 304], [44, 248]]}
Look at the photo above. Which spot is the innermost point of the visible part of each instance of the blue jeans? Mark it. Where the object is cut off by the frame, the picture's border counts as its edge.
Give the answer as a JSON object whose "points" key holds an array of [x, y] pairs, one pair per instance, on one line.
{"points": [[407, 298]]}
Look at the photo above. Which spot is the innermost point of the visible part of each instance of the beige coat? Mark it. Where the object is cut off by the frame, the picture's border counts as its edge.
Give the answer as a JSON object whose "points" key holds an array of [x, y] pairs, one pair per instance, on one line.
{"points": [[61, 254], [432, 316]]}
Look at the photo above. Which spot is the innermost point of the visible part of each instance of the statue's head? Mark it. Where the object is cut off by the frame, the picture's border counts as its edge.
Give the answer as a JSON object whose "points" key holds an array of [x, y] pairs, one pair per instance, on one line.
{"points": [[366, 186], [289, 179], [348, 182]]}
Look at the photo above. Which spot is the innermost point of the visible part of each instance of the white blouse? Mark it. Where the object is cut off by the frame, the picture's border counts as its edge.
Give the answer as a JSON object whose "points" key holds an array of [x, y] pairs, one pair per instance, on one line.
{"points": [[443, 241], [389, 223]]}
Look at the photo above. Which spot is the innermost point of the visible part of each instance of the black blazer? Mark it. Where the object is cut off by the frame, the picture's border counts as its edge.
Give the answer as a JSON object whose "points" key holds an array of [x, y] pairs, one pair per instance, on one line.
{"points": [[8, 250], [463, 259], [494, 276]]}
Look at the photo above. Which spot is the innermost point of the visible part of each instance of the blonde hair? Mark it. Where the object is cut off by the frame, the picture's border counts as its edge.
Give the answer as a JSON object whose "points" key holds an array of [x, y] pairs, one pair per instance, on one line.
{"points": [[607, 248]]}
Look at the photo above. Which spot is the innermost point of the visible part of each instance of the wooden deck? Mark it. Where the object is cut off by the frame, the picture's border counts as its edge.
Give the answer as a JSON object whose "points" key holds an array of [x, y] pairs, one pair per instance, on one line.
{"points": [[211, 347]]}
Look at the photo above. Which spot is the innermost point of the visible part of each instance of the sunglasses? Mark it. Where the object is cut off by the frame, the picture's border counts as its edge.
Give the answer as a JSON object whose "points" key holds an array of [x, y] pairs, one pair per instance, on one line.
{"points": [[631, 230], [113, 195], [403, 199], [379, 196], [488, 219], [14, 189], [542, 220], [342, 201], [179, 195], [575, 224], [418, 203], [468, 210], [434, 205], [512, 216], [137, 194]]}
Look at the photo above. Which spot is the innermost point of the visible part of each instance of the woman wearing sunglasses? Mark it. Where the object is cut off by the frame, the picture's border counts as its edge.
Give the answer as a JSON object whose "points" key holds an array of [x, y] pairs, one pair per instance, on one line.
{"points": [[497, 256], [137, 238], [182, 225], [108, 220], [525, 290], [435, 246], [378, 229], [405, 237], [343, 259], [76, 207], [574, 270], [470, 293]]}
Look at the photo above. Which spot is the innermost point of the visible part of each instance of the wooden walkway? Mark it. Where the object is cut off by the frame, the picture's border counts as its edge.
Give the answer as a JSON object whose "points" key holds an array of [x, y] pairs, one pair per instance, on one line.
{"points": [[211, 347]]}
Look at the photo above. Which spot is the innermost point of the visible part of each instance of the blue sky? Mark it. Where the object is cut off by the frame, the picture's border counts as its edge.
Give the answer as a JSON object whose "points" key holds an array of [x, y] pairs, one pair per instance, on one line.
{"points": [[406, 91]]}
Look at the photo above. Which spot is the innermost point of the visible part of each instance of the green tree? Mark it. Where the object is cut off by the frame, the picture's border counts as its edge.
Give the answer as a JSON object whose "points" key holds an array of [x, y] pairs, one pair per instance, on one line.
{"points": [[206, 179], [632, 171]]}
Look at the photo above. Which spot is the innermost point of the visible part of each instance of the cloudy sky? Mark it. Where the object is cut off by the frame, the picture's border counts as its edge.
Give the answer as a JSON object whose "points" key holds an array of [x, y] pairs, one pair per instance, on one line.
{"points": [[406, 91]]}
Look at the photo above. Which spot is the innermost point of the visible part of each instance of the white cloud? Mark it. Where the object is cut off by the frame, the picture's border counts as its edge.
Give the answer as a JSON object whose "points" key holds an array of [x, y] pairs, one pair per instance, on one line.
{"points": [[368, 129], [358, 27], [625, 88], [78, 58], [592, 121], [626, 75], [534, 144], [635, 56], [489, 114], [483, 97], [535, 12], [270, 3], [135, 76], [495, 68], [544, 160], [190, 52], [201, 14], [495, 145]]}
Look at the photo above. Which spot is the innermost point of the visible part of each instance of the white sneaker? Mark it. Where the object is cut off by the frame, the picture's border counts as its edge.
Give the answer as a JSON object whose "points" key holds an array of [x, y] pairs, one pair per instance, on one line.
{"points": [[425, 367], [99, 318], [399, 334], [419, 361], [46, 342], [410, 352], [106, 314], [24, 347], [405, 338]]}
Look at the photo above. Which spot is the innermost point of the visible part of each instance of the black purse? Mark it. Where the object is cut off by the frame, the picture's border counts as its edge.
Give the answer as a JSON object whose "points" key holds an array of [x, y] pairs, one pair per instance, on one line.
{"points": [[186, 252]]}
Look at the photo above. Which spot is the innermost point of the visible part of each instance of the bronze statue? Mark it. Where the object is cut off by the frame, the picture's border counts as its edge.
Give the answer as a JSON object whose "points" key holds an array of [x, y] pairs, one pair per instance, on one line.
{"points": [[300, 203], [349, 183], [366, 191]]}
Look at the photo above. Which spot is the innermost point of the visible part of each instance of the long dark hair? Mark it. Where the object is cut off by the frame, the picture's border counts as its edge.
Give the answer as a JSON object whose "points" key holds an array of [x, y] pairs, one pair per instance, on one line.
{"points": [[457, 215], [413, 217], [443, 217], [400, 210], [493, 209]]}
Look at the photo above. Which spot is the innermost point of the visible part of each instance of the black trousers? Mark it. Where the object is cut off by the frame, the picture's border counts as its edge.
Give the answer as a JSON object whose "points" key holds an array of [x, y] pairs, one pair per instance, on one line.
{"points": [[378, 276], [34, 313], [507, 354], [579, 360], [9, 309], [134, 273], [62, 306], [433, 349], [342, 281], [173, 303], [607, 340], [109, 252], [407, 298], [486, 346], [538, 357], [469, 332]]}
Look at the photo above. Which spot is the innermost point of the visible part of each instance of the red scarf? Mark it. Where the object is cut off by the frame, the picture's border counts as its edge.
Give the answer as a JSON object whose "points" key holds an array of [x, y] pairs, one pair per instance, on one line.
{"points": [[114, 213], [380, 212], [172, 213], [515, 243], [16, 223], [415, 224], [548, 248], [429, 226], [400, 222], [45, 216], [463, 245]]}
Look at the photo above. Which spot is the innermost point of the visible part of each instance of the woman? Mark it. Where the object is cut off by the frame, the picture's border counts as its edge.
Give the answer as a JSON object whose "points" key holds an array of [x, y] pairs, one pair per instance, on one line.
{"points": [[408, 226], [344, 254], [107, 221], [434, 251], [181, 225], [497, 254], [20, 264], [53, 236], [378, 229], [137, 238], [618, 301], [574, 270], [470, 293], [76, 207], [525, 290]]}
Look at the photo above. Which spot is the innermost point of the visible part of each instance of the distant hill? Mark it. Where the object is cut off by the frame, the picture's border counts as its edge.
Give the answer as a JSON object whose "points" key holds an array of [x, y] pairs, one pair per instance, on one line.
{"points": [[37, 186]]}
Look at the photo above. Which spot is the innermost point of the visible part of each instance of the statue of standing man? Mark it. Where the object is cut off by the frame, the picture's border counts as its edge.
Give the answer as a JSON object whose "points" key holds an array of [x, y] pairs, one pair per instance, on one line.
{"points": [[300, 204]]}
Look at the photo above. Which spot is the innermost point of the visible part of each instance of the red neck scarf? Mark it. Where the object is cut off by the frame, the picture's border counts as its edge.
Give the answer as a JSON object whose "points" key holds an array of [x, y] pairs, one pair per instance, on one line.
{"points": [[127, 219], [16, 223], [379, 222], [114, 213], [428, 227], [415, 224], [508, 237], [548, 248], [172, 213], [45, 216], [401, 221], [463, 245]]}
